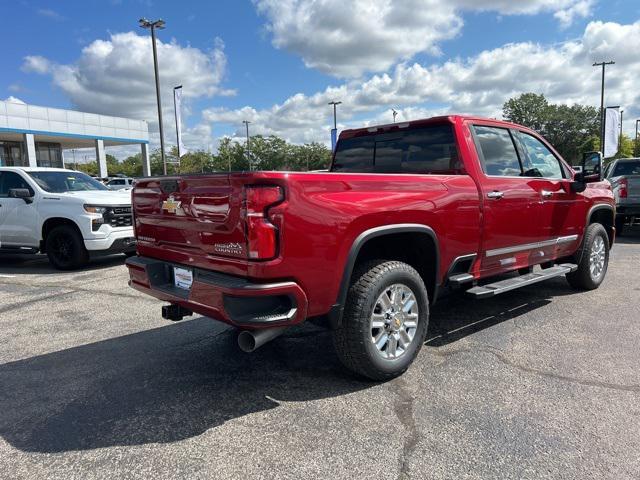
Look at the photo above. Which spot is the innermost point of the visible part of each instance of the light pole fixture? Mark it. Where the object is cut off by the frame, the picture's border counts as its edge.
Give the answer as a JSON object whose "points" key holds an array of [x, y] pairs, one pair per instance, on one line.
{"points": [[246, 123], [603, 65], [335, 104], [620, 141], [157, 24], [637, 121], [394, 115]]}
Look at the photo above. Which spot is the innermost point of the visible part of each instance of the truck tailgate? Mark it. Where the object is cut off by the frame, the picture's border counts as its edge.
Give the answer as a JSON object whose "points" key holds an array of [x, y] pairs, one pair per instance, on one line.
{"points": [[197, 216]]}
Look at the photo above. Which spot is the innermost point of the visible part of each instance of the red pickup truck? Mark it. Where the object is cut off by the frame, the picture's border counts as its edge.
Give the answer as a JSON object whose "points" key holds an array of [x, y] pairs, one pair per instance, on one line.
{"points": [[406, 213]]}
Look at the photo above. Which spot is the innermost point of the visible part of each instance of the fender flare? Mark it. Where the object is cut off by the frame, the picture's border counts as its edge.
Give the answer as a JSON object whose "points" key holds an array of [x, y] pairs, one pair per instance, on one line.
{"points": [[337, 310], [594, 208]]}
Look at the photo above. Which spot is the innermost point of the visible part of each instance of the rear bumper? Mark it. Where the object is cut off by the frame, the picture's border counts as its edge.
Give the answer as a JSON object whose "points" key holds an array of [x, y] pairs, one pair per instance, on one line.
{"points": [[232, 300], [627, 209]]}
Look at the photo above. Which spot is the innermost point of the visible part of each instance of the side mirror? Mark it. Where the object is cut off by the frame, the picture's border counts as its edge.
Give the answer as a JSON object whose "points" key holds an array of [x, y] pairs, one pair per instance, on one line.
{"points": [[22, 193], [592, 167], [590, 171]]}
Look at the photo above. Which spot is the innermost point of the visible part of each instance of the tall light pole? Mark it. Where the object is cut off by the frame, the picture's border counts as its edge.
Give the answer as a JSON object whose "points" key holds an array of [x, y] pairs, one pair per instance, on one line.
{"points": [[159, 24], [394, 115], [602, 113], [335, 104], [246, 123], [635, 144], [334, 132]]}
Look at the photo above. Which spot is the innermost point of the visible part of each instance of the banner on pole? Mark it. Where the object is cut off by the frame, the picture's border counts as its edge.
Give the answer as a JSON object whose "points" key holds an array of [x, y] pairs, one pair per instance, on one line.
{"points": [[611, 131], [334, 139], [177, 103]]}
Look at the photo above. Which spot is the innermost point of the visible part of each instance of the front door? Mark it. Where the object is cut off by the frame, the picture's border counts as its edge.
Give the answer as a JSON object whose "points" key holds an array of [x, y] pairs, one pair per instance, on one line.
{"points": [[18, 219], [561, 215], [511, 204]]}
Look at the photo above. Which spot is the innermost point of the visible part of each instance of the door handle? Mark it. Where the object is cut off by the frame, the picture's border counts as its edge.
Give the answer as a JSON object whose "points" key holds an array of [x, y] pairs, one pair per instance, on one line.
{"points": [[495, 194], [546, 194]]}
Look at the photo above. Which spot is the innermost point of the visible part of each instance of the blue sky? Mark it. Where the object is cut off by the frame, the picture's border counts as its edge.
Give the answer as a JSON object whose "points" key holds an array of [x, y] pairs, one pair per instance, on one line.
{"points": [[256, 57]]}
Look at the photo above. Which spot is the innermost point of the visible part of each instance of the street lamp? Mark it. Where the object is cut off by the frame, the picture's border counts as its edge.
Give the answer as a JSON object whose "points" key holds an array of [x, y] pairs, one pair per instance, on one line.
{"points": [[157, 24], [603, 65], [394, 115], [246, 123], [335, 104], [334, 132]]}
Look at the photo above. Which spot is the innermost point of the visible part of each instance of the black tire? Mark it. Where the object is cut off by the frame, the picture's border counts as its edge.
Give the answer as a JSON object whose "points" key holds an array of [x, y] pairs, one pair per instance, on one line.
{"points": [[65, 248], [353, 340], [130, 254], [582, 278]]}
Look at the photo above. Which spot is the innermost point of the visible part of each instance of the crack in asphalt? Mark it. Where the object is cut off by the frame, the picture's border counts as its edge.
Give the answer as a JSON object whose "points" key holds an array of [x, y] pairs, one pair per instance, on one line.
{"points": [[502, 357], [403, 409]]}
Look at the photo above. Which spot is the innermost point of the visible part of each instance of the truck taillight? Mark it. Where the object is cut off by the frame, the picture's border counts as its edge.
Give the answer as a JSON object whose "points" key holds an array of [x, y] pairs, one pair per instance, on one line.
{"points": [[262, 235], [624, 186]]}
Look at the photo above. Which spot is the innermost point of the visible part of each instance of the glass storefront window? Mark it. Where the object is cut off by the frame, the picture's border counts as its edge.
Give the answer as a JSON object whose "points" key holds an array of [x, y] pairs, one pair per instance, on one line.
{"points": [[48, 154], [12, 154]]}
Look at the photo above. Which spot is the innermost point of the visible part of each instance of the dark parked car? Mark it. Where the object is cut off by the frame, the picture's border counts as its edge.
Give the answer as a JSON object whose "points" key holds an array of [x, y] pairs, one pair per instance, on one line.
{"points": [[624, 175]]}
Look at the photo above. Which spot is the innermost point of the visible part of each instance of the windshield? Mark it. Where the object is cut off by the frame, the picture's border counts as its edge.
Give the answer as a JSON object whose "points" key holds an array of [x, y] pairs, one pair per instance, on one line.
{"points": [[60, 182]]}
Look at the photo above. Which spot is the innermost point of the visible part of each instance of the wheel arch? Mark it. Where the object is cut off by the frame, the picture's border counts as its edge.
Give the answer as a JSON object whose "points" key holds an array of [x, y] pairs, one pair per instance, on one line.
{"points": [[50, 223], [376, 242], [603, 214]]}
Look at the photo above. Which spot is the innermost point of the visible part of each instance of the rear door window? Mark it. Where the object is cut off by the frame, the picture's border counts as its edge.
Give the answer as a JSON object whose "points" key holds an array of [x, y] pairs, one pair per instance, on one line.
{"points": [[427, 150], [498, 151]]}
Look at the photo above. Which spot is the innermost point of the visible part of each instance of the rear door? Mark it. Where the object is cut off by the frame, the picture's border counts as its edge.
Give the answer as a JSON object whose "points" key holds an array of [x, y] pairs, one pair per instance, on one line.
{"points": [[511, 212]]}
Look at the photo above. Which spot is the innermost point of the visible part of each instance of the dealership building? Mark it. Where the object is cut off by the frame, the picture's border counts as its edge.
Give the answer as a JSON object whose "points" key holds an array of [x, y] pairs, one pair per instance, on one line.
{"points": [[36, 136]]}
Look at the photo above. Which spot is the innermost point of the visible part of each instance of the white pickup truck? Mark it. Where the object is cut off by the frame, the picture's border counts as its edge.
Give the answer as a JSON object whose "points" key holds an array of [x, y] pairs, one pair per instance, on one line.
{"points": [[63, 213]]}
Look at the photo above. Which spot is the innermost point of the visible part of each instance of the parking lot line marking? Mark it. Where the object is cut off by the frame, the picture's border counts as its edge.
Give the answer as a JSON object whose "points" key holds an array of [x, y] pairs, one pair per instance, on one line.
{"points": [[6, 276]]}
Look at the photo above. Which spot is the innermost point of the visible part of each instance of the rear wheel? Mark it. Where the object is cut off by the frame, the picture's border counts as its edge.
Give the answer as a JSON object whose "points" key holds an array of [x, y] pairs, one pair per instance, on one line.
{"points": [[385, 320], [594, 260], [65, 248]]}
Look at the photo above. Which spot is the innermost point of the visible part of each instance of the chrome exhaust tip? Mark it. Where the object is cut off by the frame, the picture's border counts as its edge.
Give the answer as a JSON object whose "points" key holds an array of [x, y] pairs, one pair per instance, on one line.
{"points": [[250, 340]]}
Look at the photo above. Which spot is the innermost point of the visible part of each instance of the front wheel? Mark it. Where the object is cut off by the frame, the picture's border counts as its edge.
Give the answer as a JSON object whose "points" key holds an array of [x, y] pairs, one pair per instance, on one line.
{"points": [[65, 248], [385, 320], [594, 260]]}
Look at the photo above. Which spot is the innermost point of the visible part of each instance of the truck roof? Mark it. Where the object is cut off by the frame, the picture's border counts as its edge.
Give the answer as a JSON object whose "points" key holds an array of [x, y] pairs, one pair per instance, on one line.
{"points": [[355, 132]]}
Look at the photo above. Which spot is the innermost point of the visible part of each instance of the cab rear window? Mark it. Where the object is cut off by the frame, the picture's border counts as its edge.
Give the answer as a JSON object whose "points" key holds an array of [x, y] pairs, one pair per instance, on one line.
{"points": [[427, 150]]}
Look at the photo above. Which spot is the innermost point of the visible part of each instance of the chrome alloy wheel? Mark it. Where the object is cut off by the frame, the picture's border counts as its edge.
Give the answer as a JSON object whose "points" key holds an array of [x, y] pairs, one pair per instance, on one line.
{"points": [[597, 257], [394, 321]]}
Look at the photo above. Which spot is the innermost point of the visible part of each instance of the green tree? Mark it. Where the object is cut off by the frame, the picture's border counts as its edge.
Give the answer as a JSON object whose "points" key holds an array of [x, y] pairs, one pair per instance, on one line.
{"points": [[528, 109], [572, 130]]}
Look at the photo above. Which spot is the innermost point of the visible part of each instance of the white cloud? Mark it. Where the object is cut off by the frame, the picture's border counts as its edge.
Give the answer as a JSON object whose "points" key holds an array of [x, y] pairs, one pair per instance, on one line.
{"points": [[115, 76], [12, 99], [52, 14], [349, 38], [36, 64], [477, 85]]}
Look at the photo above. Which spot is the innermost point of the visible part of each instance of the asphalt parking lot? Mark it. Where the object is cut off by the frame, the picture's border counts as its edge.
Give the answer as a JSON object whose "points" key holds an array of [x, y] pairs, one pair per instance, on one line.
{"points": [[539, 383]]}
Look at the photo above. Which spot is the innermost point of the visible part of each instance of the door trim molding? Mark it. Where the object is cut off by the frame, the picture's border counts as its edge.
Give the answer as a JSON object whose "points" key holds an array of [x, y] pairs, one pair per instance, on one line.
{"points": [[530, 246]]}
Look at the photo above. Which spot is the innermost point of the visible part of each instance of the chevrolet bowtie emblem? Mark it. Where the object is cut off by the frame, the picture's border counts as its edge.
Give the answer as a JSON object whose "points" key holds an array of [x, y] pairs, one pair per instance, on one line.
{"points": [[170, 205]]}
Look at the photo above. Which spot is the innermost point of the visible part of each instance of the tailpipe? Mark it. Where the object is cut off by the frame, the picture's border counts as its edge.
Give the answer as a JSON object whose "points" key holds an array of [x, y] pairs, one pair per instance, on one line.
{"points": [[251, 340]]}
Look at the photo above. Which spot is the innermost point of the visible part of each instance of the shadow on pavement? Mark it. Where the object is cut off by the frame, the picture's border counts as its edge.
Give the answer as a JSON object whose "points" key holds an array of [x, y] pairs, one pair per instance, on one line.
{"points": [[178, 381], [12, 264], [160, 385], [459, 316]]}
